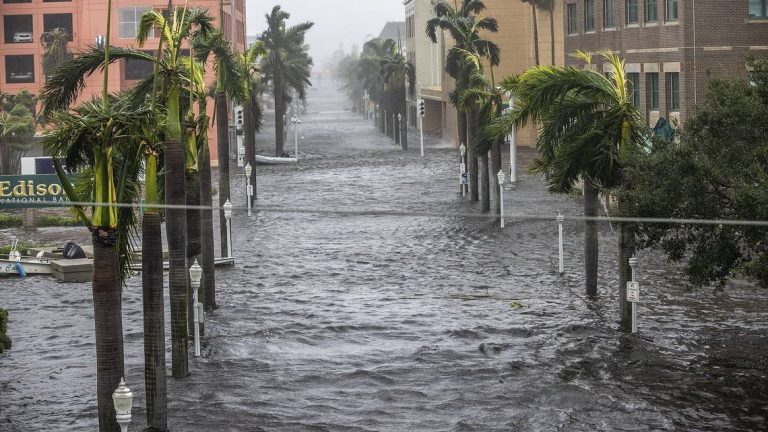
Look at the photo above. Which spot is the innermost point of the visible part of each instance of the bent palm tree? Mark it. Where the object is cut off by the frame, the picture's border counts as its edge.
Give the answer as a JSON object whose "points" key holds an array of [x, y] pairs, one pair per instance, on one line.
{"points": [[55, 49], [465, 26], [397, 72], [248, 63], [588, 124]]}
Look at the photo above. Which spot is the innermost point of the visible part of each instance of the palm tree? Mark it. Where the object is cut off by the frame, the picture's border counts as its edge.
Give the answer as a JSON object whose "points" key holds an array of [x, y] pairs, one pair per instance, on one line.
{"points": [[369, 73], [17, 128], [248, 63], [55, 49], [282, 42], [465, 26], [588, 124], [397, 72], [549, 6]]}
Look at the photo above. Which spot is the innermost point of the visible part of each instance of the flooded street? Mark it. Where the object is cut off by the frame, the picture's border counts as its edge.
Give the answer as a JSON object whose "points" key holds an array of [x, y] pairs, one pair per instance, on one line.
{"points": [[392, 322]]}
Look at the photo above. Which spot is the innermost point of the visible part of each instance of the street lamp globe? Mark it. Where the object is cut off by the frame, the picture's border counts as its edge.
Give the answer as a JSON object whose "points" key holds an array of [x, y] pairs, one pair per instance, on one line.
{"points": [[463, 149], [227, 209], [501, 177], [122, 398], [195, 273], [248, 169]]}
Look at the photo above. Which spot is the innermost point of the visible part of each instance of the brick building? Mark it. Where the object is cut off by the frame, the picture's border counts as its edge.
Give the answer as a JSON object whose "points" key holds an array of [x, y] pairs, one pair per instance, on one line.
{"points": [[669, 46], [24, 21]]}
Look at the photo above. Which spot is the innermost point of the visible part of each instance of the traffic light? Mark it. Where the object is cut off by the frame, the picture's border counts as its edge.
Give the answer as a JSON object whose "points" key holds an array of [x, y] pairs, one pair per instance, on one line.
{"points": [[239, 117], [422, 111]]}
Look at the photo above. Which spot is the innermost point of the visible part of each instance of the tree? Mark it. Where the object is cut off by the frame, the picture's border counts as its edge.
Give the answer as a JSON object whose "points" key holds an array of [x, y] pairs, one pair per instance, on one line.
{"points": [[248, 63], [397, 72], [588, 126], [284, 66], [549, 6], [55, 49], [718, 170], [17, 129], [465, 26]]}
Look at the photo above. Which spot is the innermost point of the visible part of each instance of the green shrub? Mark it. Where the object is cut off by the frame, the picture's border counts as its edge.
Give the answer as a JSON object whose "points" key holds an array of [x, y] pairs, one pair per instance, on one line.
{"points": [[56, 221], [10, 220], [5, 341]]}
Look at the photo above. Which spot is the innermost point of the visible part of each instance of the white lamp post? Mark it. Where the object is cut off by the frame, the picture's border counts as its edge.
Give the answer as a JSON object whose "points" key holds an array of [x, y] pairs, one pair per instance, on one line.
{"points": [[122, 399], [500, 177], [512, 149], [249, 187], [400, 129], [195, 274], [228, 216], [463, 169], [560, 219]]}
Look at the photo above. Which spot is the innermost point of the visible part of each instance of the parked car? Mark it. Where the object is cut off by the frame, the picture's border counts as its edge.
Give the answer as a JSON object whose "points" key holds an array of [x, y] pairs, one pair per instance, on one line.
{"points": [[20, 76], [22, 37]]}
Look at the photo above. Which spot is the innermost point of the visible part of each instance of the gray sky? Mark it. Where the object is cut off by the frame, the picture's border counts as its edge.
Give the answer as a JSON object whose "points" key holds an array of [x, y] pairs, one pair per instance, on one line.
{"points": [[336, 21]]}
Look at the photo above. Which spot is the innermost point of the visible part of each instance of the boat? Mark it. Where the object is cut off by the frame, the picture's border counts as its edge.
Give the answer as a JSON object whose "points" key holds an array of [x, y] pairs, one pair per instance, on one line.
{"points": [[22, 266], [268, 160]]}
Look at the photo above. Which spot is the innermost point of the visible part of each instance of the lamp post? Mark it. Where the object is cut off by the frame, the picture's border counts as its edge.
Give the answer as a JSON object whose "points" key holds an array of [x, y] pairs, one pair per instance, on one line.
{"points": [[633, 298], [228, 215], [122, 398], [500, 177], [400, 129], [195, 274], [463, 170], [248, 188], [560, 219], [295, 122]]}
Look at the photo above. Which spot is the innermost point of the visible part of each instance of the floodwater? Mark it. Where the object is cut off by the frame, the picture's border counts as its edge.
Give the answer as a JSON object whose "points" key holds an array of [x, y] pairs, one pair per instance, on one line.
{"points": [[385, 322]]}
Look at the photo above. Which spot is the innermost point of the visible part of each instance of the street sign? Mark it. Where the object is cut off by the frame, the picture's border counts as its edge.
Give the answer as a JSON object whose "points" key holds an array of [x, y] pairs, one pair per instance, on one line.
{"points": [[464, 179], [32, 191], [633, 292]]}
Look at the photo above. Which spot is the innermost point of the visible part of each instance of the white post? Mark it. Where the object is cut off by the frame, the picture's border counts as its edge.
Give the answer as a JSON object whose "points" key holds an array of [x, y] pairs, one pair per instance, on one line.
{"points": [[500, 178], [196, 311], [560, 220], [400, 129], [632, 264], [512, 150], [228, 216], [296, 140], [248, 187], [421, 134]]}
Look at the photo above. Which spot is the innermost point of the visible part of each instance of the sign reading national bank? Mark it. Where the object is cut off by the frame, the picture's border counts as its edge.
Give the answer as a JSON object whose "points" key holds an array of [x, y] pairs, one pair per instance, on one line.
{"points": [[23, 191]]}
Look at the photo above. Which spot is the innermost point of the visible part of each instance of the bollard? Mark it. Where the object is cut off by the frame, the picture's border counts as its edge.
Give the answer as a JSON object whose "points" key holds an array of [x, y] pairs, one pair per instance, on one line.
{"points": [[228, 217], [560, 220], [633, 293]]}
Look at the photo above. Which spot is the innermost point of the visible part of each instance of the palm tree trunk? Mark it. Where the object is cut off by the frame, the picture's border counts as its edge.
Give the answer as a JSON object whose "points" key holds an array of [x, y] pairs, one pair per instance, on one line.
{"points": [[590, 237], [176, 232], [472, 156], [222, 144], [626, 250], [552, 33], [485, 183], [154, 320], [279, 115], [108, 318], [495, 168], [535, 34], [193, 237], [208, 281], [250, 142]]}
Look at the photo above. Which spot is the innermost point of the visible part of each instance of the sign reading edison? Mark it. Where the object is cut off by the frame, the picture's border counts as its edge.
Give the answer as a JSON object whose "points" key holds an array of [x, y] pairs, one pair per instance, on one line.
{"points": [[23, 191]]}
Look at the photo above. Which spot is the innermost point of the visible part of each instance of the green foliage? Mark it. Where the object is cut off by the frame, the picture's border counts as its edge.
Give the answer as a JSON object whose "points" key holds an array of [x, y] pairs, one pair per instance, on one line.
{"points": [[718, 170], [5, 341], [55, 49], [23, 248], [9, 220], [17, 130]]}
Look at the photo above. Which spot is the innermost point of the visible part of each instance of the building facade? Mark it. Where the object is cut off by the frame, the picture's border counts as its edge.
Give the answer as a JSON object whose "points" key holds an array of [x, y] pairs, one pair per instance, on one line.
{"points": [[670, 46], [24, 21]]}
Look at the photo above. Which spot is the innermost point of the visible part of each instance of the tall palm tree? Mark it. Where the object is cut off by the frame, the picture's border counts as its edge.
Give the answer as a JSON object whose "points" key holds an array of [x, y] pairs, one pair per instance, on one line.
{"points": [[248, 63], [588, 124], [549, 6], [17, 128], [397, 73], [55, 49], [464, 26], [281, 42], [369, 73]]}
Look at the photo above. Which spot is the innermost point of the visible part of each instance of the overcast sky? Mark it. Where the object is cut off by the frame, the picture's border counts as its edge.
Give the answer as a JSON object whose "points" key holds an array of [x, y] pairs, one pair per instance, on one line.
{"points": [[337, 22]]}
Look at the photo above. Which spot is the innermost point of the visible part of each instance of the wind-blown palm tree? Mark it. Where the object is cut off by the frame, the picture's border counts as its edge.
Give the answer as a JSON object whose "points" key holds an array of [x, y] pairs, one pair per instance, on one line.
{"points": [[465, 26], [17, 128], [248, 63], [283, 42], [397, 73], [588, 123], [369, 73], [55, 49], [549, 6]]}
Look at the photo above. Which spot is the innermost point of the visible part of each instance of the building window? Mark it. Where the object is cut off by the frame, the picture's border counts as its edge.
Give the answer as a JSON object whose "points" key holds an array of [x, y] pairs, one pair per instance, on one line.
{"points": [[589, 15], [54, 21], [572, 24], [758, 8], [17, 1], [633, 85], [129, 21], [19, 69], [673, 90], [671, 10], [652, 82], [632, 12], [608, 13], [55, 1], [651, 11], [137, 69], [18, 28]]}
